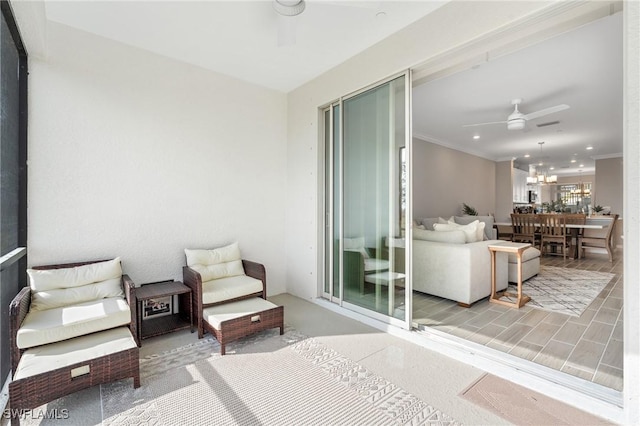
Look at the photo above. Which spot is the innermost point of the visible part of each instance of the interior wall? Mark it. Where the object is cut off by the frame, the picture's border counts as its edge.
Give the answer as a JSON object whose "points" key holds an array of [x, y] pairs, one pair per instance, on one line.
{"points": [[135, 155], [609, 185], [444, 178], [504, 191]]}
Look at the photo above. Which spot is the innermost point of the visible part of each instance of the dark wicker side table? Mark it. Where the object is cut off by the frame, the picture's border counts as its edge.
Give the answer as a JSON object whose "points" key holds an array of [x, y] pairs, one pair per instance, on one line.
{"points": [[169, 321]]}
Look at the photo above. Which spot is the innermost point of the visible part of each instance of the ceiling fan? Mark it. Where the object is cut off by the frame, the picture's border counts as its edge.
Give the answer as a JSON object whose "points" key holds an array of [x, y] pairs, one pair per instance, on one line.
{"points": [[516, 120], [287, 13]]}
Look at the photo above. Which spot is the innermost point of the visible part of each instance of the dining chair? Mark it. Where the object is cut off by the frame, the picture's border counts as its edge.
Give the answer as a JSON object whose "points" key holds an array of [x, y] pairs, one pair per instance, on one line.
{"points": [[599, 238], [576, 233], [525, 228], [553, 232], [505, 232]]}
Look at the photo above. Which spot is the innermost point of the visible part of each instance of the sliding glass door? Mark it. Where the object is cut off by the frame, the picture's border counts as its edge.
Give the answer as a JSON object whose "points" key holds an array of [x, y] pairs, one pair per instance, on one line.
{"points": [[365, 185]]}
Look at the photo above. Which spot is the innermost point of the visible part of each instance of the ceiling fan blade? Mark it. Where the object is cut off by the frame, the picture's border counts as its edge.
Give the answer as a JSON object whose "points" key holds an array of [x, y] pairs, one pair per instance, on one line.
{"points": [[545, 111], [483, 124]]}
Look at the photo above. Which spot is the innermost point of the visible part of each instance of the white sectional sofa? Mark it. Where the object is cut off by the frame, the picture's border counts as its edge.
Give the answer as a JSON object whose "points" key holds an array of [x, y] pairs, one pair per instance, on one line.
{"points": [[444, 265]]}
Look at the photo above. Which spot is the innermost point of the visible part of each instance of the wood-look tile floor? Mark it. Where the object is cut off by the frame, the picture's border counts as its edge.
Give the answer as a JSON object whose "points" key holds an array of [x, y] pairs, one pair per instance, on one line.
{"points": [[589, 346]]}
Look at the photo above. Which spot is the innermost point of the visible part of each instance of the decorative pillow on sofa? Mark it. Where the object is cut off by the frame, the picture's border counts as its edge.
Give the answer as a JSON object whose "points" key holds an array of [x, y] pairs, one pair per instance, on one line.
{"points": [[217, 263], [452, 237], [487, 220], [480, 236], [471, 231], [53, 288]]}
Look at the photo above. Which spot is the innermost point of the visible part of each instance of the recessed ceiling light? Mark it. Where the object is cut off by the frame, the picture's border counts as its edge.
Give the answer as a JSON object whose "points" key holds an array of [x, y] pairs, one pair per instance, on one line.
{"points": [[527, 156], [573, 161], [552, 168], [540, 164], [581, 165], [476, 137], [589, 148]]}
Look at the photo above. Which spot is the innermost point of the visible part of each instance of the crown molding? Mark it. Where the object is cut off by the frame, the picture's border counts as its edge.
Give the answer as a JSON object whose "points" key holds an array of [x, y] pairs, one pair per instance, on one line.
{"points": [[605, 156]]}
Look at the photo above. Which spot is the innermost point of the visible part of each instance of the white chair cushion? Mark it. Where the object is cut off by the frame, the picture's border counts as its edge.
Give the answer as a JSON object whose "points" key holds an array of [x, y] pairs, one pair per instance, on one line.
{"points": [[63, 354], [221, 270], [215, 315], [42, 300], [53, 279], [57, 324], [53, 288], [217, 263], [222, 289], [355, 244], [213, 257], [375, 265]]}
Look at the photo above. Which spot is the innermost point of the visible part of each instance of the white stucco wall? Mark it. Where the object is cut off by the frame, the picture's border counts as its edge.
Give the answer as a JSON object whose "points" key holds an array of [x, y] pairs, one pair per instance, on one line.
{"points": [[135, 155]]}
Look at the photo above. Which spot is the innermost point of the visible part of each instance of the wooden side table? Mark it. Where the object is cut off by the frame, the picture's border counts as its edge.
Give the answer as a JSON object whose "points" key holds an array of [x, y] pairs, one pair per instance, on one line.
{"points": [[169, 321], [517, 249]]}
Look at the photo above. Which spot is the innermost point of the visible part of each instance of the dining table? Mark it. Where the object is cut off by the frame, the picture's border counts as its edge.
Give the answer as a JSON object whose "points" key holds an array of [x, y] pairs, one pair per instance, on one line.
{"points": [[575, 229]]}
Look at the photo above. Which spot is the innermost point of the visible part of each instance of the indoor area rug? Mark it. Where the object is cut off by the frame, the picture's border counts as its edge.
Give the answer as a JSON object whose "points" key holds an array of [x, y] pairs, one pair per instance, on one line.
{"points": [[564, 290], [522, 406], [266, 379]]}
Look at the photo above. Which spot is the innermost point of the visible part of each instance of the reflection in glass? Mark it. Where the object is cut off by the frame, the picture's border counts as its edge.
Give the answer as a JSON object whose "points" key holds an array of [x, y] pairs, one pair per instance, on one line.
{"points": [[374, 132]]}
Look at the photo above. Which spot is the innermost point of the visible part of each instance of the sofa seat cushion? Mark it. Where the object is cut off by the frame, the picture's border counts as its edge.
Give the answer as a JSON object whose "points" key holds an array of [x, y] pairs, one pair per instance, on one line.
{"points": [[528, 254], [222, 289], [64, 354], [55, 325]]}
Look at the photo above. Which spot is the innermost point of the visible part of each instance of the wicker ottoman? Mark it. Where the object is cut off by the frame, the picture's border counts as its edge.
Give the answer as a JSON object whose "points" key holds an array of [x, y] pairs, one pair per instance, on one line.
{"points": [[52, 371], [234, 320]]}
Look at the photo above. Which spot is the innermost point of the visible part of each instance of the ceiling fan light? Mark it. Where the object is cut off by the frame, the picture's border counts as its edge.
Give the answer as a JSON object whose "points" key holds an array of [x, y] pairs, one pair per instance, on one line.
{"points": [[516, 124], [289, 7]]}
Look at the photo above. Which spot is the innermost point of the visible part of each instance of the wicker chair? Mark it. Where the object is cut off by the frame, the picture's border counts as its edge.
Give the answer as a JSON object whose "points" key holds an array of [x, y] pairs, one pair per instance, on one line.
{"points": [[193, 279], [49, 373]]}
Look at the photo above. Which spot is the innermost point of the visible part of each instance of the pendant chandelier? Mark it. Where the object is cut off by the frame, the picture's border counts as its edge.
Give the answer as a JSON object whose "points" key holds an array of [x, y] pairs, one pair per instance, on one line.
{"points": [[541, 176]]}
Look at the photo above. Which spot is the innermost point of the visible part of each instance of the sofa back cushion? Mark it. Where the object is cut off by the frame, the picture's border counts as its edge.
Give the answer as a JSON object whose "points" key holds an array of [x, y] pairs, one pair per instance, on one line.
{"points": [[451, 237], [217, 263], [473, 231], [428, 222], [54, 288], [487, 220]]}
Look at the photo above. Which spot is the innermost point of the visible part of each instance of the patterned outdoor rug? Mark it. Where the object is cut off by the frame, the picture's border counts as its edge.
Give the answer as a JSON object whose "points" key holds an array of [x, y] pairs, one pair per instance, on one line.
{"points": [[564, 290], [266, 379]]}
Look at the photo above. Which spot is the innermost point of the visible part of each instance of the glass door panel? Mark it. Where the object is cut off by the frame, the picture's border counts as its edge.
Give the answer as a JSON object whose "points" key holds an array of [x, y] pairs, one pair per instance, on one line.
{"points": [[373, 137]]}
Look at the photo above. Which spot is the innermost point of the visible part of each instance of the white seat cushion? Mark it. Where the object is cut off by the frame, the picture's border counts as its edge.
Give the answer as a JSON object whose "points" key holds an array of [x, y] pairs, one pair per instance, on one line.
{"points": [[57, 324], [215, 315], [222, 289], [63, 354], [371, 265]]}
